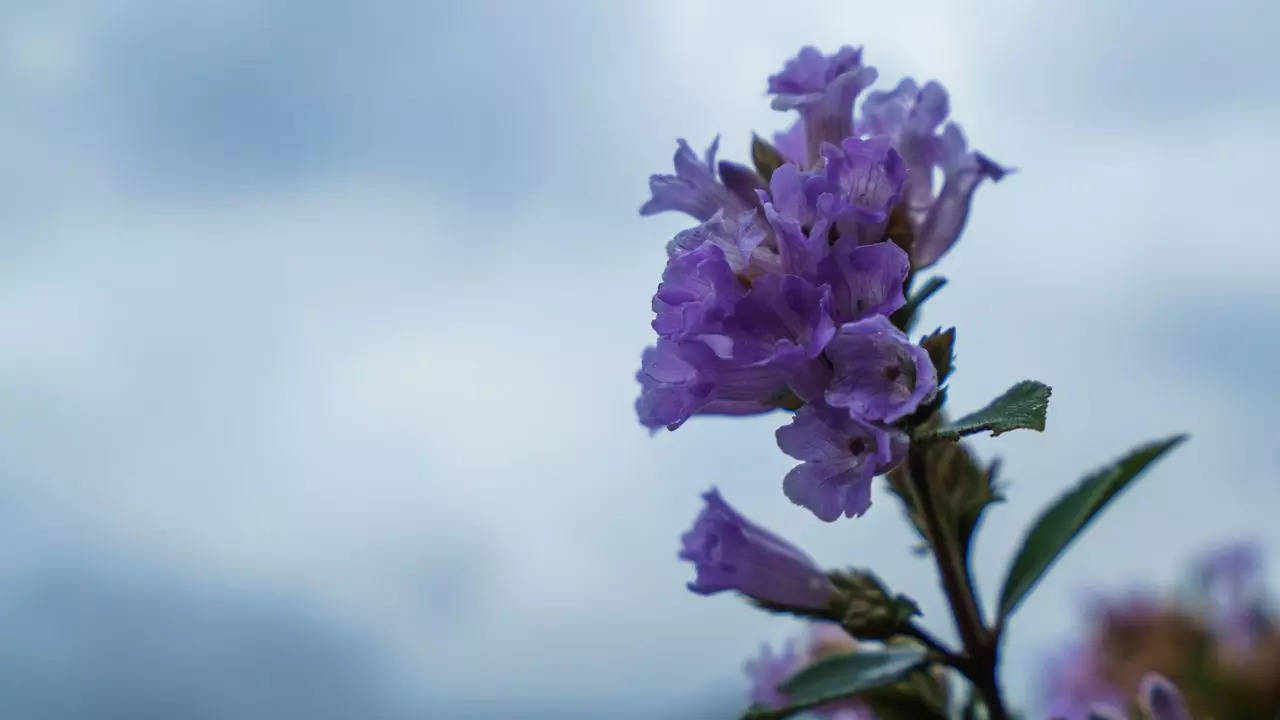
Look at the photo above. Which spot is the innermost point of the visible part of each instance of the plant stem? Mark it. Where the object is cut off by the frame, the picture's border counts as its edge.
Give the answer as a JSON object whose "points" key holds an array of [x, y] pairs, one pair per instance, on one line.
{"points": [[980, 644]]}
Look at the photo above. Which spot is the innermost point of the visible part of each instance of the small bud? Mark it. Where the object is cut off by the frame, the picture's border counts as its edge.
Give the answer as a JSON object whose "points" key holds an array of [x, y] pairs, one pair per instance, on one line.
{"points": [[870, 612]]}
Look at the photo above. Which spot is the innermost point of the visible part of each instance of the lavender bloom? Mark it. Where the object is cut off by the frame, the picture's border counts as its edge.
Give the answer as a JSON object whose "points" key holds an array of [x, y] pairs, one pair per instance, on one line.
{"points": [[792, 144], [768, 670], [694, 189], [878, 374], [725, 349], [731, 553], [865, 280], [681, 377], [1232, 584], [1160, 700], [1075, 686], [840, 454], [744, 239], [963, 171], [783, 321], [823, 88], [801, 215], [911, 115], [867, 178], [698, 290]]}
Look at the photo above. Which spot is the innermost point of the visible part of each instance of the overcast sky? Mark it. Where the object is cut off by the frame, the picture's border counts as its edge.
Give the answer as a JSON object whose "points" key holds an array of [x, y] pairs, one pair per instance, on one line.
{"points": [[320, 321]]}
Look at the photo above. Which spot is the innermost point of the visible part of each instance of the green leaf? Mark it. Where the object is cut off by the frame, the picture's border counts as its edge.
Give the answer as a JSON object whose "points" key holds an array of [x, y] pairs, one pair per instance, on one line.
{"points": [[841, 676], [765, 157], [903, 316], [940, 345], [1062, 521], [1021, 406]]}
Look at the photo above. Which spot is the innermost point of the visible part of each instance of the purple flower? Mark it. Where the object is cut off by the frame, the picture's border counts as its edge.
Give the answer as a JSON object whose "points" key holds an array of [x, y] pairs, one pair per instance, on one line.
{"points": [[1075, 686], [769, 670], [783, 321], [698, 290], [823, 88], [1231, 580], [694, 189], [731, 553], [963, 172], [911, 116], [801, 215], [840, 454], [878, 374], [865, 280], [681, 377], [744, 239], [867, 178], [1160, 700], [792, 144]]}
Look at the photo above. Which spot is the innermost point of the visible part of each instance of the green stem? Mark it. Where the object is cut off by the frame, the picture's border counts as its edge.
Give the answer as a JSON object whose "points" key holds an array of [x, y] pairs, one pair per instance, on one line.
{"points": [[980, 645]]}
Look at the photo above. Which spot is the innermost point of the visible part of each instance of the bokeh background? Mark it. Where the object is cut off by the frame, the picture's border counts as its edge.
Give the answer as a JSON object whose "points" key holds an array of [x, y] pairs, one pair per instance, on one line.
{"points": [[319, 321]]}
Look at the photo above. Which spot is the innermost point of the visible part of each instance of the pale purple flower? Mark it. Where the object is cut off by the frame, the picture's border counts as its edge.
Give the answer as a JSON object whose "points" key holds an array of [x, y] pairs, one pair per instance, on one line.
{"points": [[911, 115], [744, 239], [801, 215], [1160, 699], [697, 292], [865, 280], [879, 375], [840, 454], [791, 143], [1074, 685], [1232, 583], [768, 670], [866, 177], [730, 552], [823, 88], [963, 172], [783, 321], [693, 189], [679, 378]]}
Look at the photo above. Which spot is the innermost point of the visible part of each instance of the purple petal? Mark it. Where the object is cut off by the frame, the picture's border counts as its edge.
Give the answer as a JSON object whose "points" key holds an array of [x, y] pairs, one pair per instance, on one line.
{"points": [[878, 374], [767, 671], [1160, 700], [792, 144], [731, 553], [698, 290], [693, 189], [865, 280], [829, 489]]}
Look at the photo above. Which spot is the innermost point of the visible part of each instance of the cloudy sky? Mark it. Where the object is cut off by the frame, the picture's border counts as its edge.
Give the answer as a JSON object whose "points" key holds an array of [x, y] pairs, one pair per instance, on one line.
{"points": [[320, 321]]}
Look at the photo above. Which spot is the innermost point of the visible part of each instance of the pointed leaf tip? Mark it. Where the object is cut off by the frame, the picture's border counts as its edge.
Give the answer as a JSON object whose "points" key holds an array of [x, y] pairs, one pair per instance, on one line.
{"points": [[1059, 525], [1022, 406]]}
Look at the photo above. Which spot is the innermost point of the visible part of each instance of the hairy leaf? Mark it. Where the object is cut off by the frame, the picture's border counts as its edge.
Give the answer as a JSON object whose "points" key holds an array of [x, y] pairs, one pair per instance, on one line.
{"points": [[1063, 521], [1021, 406]]}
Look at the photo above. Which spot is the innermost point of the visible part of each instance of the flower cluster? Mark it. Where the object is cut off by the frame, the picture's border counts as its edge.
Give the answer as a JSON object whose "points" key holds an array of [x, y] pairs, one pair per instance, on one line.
{"points": [[1218, 642], [782, 296]]}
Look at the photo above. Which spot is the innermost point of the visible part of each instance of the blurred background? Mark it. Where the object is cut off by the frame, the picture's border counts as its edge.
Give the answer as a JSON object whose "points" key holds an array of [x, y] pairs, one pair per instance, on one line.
{"points": [[320, 320]]}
